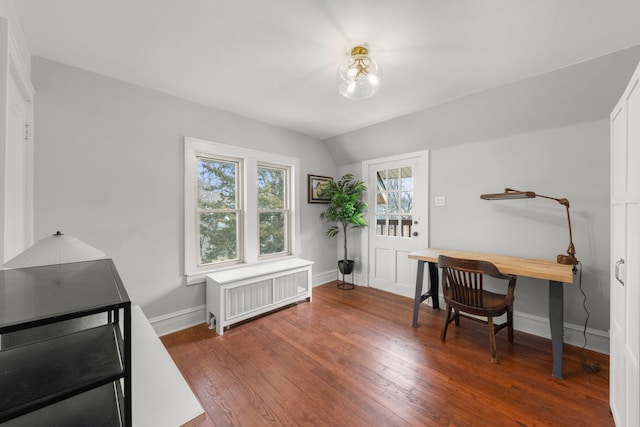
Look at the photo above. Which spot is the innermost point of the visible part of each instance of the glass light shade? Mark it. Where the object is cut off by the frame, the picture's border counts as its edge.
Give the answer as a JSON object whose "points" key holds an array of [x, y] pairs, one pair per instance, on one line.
{"points": [[359, 75], [55, 249]]}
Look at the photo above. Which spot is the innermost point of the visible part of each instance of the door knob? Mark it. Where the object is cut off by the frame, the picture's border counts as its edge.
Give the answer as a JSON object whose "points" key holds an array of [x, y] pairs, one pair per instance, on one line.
{"points": [[617, 271], [415, 233]]}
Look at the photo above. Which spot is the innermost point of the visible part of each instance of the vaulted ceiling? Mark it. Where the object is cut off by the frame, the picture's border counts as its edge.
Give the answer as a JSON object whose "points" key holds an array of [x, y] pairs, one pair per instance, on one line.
{"points": [[275, 60]]}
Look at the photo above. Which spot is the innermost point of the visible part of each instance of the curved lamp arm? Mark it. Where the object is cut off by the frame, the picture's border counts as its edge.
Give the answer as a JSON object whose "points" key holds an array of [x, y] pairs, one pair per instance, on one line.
{"points": [[510, 193]]}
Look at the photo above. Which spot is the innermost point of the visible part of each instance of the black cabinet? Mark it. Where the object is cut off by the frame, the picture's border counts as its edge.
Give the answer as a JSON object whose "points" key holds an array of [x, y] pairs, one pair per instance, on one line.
{"points": [[65, 346]]}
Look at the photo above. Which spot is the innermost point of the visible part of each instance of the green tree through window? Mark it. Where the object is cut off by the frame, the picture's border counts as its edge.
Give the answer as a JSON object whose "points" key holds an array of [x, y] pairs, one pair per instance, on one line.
{"points": [[218, 210], [273, 209], [240, 207]]}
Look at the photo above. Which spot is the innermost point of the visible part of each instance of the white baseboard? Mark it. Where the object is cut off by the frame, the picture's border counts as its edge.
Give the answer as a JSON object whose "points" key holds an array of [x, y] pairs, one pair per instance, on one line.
{"points": [[178, 320], [321, 278], [536, 325], [193, 316], [330, 276], [573, 334]]}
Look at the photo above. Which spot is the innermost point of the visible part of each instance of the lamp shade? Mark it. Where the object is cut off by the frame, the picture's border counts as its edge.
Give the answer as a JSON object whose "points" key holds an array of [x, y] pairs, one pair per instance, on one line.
{"points": [[359, 75], [55, 249]]}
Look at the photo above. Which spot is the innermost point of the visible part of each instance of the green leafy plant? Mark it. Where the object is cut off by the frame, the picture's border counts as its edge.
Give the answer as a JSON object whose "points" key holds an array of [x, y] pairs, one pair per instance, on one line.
{"points": [[346, 208]]}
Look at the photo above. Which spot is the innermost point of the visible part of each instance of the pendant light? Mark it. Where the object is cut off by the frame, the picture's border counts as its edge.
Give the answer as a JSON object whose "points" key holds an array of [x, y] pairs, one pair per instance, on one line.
{"points": [[359, 74]]}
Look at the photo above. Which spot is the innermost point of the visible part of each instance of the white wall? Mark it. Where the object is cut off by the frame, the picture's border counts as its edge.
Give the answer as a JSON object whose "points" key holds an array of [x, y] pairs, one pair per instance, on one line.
{"points": [[109, 171], [583, 92], [571, 162]]}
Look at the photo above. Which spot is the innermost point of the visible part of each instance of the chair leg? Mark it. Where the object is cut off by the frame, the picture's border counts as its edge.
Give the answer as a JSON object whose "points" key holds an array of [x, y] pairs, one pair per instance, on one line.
{"points": [[510, 325], [447, 320], [492, 340]]}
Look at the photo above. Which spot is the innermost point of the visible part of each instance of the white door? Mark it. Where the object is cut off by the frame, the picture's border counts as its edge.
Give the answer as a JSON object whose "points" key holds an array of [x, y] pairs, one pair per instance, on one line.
{"points": [[624, 374], [397, 218]]}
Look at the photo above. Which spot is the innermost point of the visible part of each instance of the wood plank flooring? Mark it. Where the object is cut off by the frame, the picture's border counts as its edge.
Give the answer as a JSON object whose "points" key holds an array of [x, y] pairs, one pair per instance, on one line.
{"points": [[351, 358]]}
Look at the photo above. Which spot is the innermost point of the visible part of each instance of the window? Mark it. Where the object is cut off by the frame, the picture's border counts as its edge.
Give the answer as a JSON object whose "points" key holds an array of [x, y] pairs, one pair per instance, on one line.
{"points": [[273, 203], [240, 207], [219, 210], [394, 202]]}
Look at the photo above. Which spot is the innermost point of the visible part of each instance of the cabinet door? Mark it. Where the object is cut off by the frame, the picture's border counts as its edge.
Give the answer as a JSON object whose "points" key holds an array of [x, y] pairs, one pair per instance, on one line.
{"points": [[625, 256]]}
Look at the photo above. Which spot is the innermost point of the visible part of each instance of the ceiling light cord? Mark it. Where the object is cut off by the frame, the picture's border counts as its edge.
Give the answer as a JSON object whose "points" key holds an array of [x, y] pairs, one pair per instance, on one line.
{"points": [[589, 367]]}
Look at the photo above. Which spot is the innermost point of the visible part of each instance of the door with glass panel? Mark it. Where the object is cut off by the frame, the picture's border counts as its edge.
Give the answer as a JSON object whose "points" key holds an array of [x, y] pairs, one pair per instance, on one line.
{"points": [[397, 222]]}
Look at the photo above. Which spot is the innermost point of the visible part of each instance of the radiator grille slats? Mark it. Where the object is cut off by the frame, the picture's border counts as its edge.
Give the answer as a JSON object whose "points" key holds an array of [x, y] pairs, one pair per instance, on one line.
{"points": [[262, 293], [290, 285]]}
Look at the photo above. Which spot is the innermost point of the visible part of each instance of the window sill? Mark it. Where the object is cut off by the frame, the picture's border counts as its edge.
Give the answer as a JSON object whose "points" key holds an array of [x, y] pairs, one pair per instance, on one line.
{"points": [[201, 276]]}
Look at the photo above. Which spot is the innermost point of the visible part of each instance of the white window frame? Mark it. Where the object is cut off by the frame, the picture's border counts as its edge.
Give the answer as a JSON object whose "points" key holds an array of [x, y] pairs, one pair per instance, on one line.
{"points": [[239, 210], [249, 233], [286, 210]]}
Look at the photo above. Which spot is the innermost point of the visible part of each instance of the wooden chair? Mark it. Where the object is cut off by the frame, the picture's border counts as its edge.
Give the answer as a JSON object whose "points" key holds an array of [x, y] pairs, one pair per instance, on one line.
{"points": [[463, 291]]}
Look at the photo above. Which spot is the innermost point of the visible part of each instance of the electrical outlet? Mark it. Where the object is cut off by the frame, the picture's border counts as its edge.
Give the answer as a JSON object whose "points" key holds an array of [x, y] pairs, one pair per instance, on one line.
{"points": [[439, 200]]}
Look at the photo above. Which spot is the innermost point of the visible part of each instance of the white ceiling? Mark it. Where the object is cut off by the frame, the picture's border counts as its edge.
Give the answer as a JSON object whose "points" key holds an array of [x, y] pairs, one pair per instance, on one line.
{"points": [[275, 60]]}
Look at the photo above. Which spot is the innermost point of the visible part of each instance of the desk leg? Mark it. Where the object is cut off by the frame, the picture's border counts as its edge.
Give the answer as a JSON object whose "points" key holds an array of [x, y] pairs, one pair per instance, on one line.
{"points": [[418, 297], [432, 293], [433, 285], [556, 320]]}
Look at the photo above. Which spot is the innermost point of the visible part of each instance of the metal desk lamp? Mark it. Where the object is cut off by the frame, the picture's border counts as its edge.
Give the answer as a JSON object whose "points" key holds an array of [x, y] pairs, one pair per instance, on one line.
{"points": [[510, 193]]}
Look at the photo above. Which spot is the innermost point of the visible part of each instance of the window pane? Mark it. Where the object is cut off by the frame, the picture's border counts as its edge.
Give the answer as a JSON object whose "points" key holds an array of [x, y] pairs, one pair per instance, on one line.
{"points": [[382, 180], [218, 237], [393, 203], [394, 229], [407, 223], [407, 178], [271, 188], [381, 225], [217, 184], [272, 232], [406, 201], [394, 179], [381, 203]]}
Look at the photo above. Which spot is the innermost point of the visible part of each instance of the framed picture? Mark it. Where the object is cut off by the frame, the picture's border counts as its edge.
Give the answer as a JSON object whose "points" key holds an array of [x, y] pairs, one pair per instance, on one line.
{"points": [[314, 182]]}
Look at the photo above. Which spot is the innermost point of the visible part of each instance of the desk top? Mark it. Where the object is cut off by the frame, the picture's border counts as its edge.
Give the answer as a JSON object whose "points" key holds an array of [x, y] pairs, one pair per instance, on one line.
{"points": [[527, 267]]}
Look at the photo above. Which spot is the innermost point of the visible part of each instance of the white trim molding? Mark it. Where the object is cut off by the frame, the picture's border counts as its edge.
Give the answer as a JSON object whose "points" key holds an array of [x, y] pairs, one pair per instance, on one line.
{"points": [[535, 325], [539, 326], [178, 320], [183, 319]]}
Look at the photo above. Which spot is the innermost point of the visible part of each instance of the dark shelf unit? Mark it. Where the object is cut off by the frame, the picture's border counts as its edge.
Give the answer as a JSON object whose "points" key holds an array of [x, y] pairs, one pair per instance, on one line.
{"points": [[65, 346]]}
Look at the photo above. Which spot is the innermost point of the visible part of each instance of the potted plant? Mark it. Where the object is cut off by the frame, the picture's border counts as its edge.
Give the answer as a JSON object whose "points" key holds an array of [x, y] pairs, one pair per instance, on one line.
{"points": [[346, 209]]}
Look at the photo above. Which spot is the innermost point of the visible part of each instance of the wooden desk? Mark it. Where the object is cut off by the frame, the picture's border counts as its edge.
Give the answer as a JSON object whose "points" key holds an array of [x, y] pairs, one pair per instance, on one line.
{"points": [[555, 273]]}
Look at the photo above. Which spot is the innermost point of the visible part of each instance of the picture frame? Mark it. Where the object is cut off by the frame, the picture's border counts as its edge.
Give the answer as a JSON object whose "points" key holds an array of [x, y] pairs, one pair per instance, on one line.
{"points": [[313, 184]]}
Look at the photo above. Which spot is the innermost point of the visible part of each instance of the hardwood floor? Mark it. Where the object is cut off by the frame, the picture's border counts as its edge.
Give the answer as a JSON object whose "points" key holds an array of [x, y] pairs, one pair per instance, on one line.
{"points": [[351, 358]]}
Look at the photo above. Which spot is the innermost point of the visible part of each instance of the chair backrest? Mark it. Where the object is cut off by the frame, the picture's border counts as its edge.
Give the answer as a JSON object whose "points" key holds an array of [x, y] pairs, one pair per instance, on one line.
{"points": [[464, 278]]}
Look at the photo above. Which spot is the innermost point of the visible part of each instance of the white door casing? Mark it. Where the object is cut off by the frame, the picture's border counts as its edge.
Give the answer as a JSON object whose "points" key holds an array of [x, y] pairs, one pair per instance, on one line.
{"points": [[16, 151], [18, 193], [624, 393], [397, 196]]}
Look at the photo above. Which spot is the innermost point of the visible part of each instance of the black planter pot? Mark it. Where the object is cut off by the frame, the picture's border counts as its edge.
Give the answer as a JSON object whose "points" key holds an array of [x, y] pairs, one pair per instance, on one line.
{"points": [[345, 269]]}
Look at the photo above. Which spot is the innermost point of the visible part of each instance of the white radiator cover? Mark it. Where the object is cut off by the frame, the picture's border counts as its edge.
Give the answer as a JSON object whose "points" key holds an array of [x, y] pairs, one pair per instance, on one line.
{"points": [[244, 292]]}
